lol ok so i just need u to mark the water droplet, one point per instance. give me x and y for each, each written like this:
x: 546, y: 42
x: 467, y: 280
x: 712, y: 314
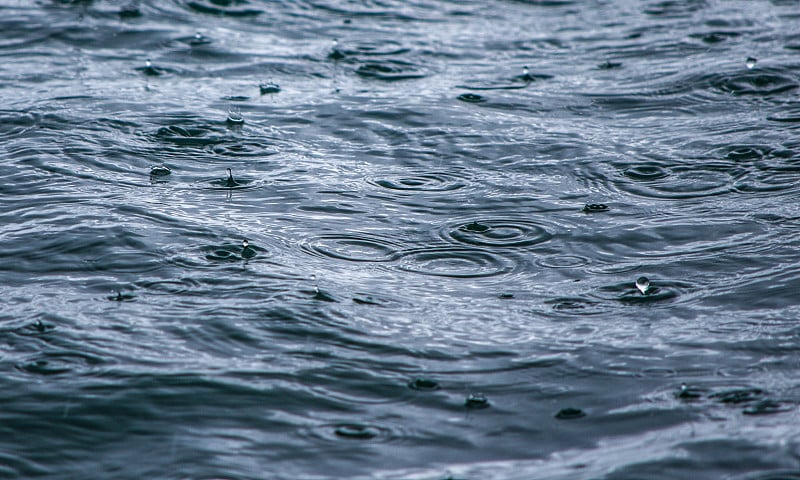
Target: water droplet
x: 148, y: 63
x: 750, y: 63
x: 245, y: 244
x: 476, y: 401
x: 643, y: 284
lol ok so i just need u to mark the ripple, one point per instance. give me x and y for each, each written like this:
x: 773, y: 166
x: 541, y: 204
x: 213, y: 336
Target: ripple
x: 390, y: 70
x: 500, y: 232
x: 660, y: 291
x: 646, y: 173
x: 562, y: 261
x: 471, y: 98
x: 761, y: 83
x: 354, y: 247
x: 192, y: 136
x: 455, y: 262
x: 222, y: 8
x: 421, y: 182
x: 352, y: 432
x: 231, y: 252
x: 576, y: 306
x: 59, y: 363
x: 680, y: 181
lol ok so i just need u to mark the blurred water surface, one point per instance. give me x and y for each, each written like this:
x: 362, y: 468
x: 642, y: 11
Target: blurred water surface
x: 446, y: 203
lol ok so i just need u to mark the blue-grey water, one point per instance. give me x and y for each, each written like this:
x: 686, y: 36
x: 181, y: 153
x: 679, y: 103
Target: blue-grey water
x: 447, y: 205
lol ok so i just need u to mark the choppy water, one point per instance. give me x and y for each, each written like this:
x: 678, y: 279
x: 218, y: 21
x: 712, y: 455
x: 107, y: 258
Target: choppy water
x: 429, y: 289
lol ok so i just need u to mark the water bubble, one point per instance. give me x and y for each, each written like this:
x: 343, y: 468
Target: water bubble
x: 269, y: 87
x: 476, y: 401
x: 750, y: 62
x: 643, y: 284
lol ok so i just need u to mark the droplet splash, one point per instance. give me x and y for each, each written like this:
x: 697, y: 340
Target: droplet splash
x: 269, y: 88
x: 230, y: 182
x: 476, y: 401
x: 336, y: 54
x: 643, y: 284
x: 235, y: 117
x: 750, y: 63
x: 199, y: 39
x: 247, y: 250
x: 570, y: 413
x: 526, y: 75
x: 160, y: 170
x: 595, y: 207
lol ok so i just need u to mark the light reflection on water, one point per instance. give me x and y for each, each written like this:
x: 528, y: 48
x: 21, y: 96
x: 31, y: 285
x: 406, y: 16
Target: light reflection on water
x: 430, y: 288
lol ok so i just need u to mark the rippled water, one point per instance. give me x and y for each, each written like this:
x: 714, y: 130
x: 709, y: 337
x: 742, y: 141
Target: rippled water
x: 447, y: 205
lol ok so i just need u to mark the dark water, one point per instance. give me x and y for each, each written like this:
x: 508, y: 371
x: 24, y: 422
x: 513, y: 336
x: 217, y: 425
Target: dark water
x: 425, y: 294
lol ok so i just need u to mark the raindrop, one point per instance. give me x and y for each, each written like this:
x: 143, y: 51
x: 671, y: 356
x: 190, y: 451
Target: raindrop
x: 476, y: 401
x: 750, y: 62
x: 643, y: 284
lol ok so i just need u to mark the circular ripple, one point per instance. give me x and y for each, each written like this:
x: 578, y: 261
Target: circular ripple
x: 645, y: 173
x: 455, y: 262
x: 659, y: 292
x: 422, y: 182
x: 356, y: 247
x: 575, y: 306
x: 681, y: 181
x: 562, y: 261
x: 390, y: 70
x: 763, y: 84
x: 497, y: 233
x: 342, y: 432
